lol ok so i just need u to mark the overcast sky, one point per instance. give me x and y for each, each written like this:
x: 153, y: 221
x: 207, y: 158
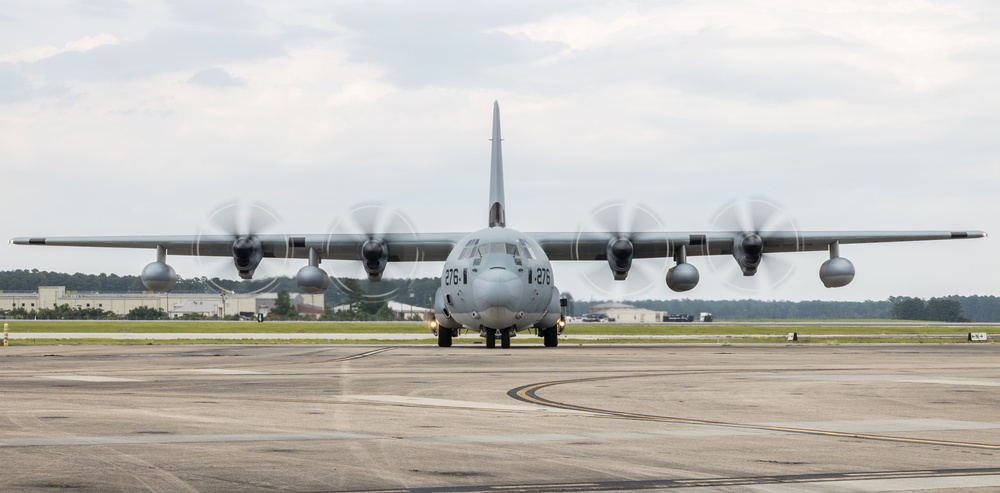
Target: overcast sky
x: 127, y: 118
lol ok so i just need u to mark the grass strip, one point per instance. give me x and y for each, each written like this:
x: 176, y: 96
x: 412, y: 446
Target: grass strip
x: 226, y: 327
x: 472, y: 342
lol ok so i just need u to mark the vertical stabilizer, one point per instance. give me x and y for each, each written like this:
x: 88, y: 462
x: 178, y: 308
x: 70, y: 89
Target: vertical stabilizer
x: 497, y: 214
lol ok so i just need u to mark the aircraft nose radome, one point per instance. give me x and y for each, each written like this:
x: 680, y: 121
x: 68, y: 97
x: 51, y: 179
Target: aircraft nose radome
x: 497, y: 294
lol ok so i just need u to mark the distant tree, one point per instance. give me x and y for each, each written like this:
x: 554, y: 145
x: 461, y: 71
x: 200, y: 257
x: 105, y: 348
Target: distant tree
x: 283, y: 307
x: 384, y: 313
x: 147, y: 313
x: 945, y: 310
x: 906, y: 308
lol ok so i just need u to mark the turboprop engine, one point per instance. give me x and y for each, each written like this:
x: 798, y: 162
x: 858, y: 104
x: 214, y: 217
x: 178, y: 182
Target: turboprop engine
x: 620, y: 251
x: 748, y: 252
x: 247, y: 254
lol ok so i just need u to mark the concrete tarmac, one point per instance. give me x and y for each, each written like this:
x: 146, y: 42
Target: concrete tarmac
x: 574, y: 418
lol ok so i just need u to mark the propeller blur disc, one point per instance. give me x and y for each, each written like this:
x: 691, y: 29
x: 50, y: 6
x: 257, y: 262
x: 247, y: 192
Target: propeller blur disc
x: 237, y: 219
x: 620, y: 219
x: 373, y: 220
x: 753, y: 215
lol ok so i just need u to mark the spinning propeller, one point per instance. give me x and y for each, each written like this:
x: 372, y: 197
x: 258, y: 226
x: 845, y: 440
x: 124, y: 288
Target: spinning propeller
x: 242, y: 221
x: 750, y: 217
x: 622, y: 220
x: 373, y: 222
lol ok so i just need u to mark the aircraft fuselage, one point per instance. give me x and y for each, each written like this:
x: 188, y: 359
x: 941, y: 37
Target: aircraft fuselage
x: 497, y: 279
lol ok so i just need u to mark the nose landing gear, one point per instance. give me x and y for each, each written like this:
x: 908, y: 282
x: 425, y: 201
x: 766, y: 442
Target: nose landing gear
x: 493, y: 334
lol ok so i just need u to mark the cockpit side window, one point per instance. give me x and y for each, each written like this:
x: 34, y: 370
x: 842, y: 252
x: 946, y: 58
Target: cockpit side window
x: 528, y: 252
x: 511, y: 249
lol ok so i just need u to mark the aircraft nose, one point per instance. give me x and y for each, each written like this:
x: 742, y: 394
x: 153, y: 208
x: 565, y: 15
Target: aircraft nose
x: 497, y: 295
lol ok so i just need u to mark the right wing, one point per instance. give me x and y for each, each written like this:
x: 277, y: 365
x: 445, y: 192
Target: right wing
x: 747, y: 249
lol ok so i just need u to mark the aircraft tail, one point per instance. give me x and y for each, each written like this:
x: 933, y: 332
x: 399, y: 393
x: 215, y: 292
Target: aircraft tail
x: 497, y: 215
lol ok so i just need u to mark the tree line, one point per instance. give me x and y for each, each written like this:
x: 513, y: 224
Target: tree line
x: 982, y: 309
x: 358, y: 296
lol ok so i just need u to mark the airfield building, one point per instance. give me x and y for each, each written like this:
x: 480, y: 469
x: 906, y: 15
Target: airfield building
x: 210, y: 305
x: 620, y: 312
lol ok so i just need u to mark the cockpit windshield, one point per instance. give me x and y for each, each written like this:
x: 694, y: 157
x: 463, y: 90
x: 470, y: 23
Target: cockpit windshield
x: 475, y: 250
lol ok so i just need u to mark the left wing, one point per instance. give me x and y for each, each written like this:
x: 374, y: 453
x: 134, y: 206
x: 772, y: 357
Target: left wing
x: 248, y: 250
x: 404, y: 247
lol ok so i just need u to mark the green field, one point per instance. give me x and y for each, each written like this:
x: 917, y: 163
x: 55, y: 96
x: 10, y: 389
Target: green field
x: 615, y: 334
x: 222, y: 327
x: 421, y: 328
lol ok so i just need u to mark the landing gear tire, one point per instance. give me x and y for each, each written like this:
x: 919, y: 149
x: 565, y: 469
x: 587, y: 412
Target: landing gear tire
x: 505, y: 338
x: 491, y: 339
x: 444, y: 337
x: 551, y: 337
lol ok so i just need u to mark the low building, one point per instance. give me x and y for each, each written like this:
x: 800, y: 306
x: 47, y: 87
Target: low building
x: 208, y: 304
x: 620, y: 312
x: 402, y: 311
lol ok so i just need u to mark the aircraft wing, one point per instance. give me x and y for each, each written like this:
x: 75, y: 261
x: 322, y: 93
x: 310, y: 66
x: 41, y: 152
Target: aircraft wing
x: 400, y: 247
x: 435, y: 247
x: 595, y: 246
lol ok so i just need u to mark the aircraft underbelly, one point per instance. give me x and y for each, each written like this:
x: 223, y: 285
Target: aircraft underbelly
x: 499, y: 305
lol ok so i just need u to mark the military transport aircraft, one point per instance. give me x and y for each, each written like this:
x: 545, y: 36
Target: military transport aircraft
x: 498, y: 281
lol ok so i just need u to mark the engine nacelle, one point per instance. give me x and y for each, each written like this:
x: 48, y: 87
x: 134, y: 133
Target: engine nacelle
x: 748, y: 250
x: 682, y: 277
x: 836, y: 272
x: 158, y: 276
x: 247, y: 254
x: 312, y: 279
x: 375, y: 254
x: 620, y: 251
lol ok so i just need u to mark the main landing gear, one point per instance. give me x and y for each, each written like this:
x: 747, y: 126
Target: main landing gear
x: 551, y: 336
x: 444, y: 337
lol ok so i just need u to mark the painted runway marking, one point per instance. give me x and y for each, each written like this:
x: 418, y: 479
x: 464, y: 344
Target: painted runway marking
x: 597, y: 437
x: 852, y: 482
x: 149, y: 439
x: 429, y: 402
x: 889, y: 425
x: 89, y: 378
x: 978, y: 382
x: 225, y: 371
x: 528, y: 393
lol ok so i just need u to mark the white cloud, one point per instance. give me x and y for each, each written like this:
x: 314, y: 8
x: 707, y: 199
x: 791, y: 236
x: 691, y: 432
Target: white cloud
x: 217, y: 77
x: 37, y: 53
x: 854, y: 115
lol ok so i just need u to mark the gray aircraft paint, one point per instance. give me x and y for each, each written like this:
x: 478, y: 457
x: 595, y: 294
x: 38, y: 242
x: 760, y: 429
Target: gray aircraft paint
x: 510, y: 291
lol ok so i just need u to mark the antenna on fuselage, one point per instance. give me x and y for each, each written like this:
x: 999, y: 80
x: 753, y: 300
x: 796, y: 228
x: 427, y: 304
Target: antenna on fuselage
x: 497, y: 215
